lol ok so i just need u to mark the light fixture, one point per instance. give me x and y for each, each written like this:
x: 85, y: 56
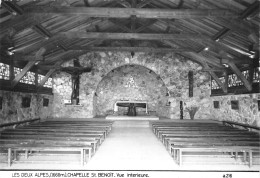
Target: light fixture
x: 252, y: 56
x: 10, y: 53
x: 225, y: 65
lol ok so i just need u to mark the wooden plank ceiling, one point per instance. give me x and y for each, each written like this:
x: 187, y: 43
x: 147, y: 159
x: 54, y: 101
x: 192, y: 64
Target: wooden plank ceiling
x: 210, y: 32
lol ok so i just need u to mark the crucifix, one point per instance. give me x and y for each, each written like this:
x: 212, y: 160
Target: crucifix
x: 75, y: 73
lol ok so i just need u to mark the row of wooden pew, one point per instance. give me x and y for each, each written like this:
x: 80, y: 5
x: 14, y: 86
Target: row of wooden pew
x: 82, y: 137
x: 206, y: 138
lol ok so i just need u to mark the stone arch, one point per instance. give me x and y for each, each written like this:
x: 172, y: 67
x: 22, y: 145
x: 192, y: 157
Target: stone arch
x: 147, y: 85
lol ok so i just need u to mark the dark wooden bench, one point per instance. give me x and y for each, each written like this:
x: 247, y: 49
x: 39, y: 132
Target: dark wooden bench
x: 212, y: 140
x: 74, y: 124
x: 177, y: 151
x: 246, y: 126
x: 161, y: 131
x: 206, y: 137
x: 92, y: 142
x: 57, y: 148
x: 55, y: 137
x: 15, y: 124
x: 54, y: 132
x: 165, y: 136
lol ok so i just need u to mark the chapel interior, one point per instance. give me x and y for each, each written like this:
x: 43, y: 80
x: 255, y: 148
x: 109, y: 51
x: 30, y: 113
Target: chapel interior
x: 130, y: 85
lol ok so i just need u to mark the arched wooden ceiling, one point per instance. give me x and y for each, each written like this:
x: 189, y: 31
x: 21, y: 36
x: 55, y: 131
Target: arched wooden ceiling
x: 210, y: 32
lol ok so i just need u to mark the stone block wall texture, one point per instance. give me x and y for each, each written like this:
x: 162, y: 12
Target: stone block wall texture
x: 104, y: 85
x: 171, y: 68
x: 130, y: 82
x: 247, y: 113
x: 12, y: 110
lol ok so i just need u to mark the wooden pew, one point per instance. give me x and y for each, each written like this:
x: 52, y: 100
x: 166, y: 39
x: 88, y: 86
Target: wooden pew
x: 15, y: 124
x: 56, y: 136
x: 177, y: 151
x: 205, y: 137
x: 162, y: 131
x: 164, y: 136
x: 246, y: 126
x: 54, y: 141
x: 211, y: 140
x: 34, y: 147
x: 74, y: 124
x: 103, y: 133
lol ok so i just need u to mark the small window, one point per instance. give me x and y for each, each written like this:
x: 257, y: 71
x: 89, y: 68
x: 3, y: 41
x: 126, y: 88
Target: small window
x: 45, y: 102
x: 258, y: 105
x: 216, y: 104
x: 1, y: 103
x: 26, y: 101
x: 235, y: 104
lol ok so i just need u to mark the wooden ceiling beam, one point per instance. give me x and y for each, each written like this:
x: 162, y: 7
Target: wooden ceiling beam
x: 204, y: 63
x: 120, y: 25
x: 236, y: 70
x: 128, y: 12
x: 48, y: 41
x: 124, y: 3
x: 133, y: 17
x: 240, y: 27
x: 68, y: 54
x: 49, y: 73
x: 252, y: 8
x: 214, y: 43
x: 204, y: 59
x: 136, y: 49
x: 128, y: 36
x: 28, y: 66
x: 38, y: 27
x: 223, y: 86
x: 22, y: 22
x: 143, y: 3
x: 20, y: 57
x: 13, y: 8
x: 27, y: 20
x: 145, y: 26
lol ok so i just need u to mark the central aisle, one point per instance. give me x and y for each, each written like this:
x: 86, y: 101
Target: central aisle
x: 131, y: 148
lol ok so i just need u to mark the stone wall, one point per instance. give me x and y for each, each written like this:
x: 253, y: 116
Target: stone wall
x: 247, y: 113
x: 171, y: 68
x: 13, y: 111
x: 173, y: 71
x: 130, y: 82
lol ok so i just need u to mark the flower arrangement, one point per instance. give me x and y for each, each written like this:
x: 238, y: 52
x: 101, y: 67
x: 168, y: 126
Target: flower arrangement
x: 192, y: 107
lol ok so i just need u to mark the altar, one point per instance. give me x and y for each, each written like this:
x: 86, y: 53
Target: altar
x: 131, y: 105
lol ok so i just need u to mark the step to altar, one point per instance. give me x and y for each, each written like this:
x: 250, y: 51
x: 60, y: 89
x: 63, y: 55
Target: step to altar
x: 130, y: 124
x: 132, y: 118
x: 131, y: 121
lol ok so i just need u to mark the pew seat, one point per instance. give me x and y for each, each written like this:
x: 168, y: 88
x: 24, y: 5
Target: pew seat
x: 14, y: 148
x: 177, y: 151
